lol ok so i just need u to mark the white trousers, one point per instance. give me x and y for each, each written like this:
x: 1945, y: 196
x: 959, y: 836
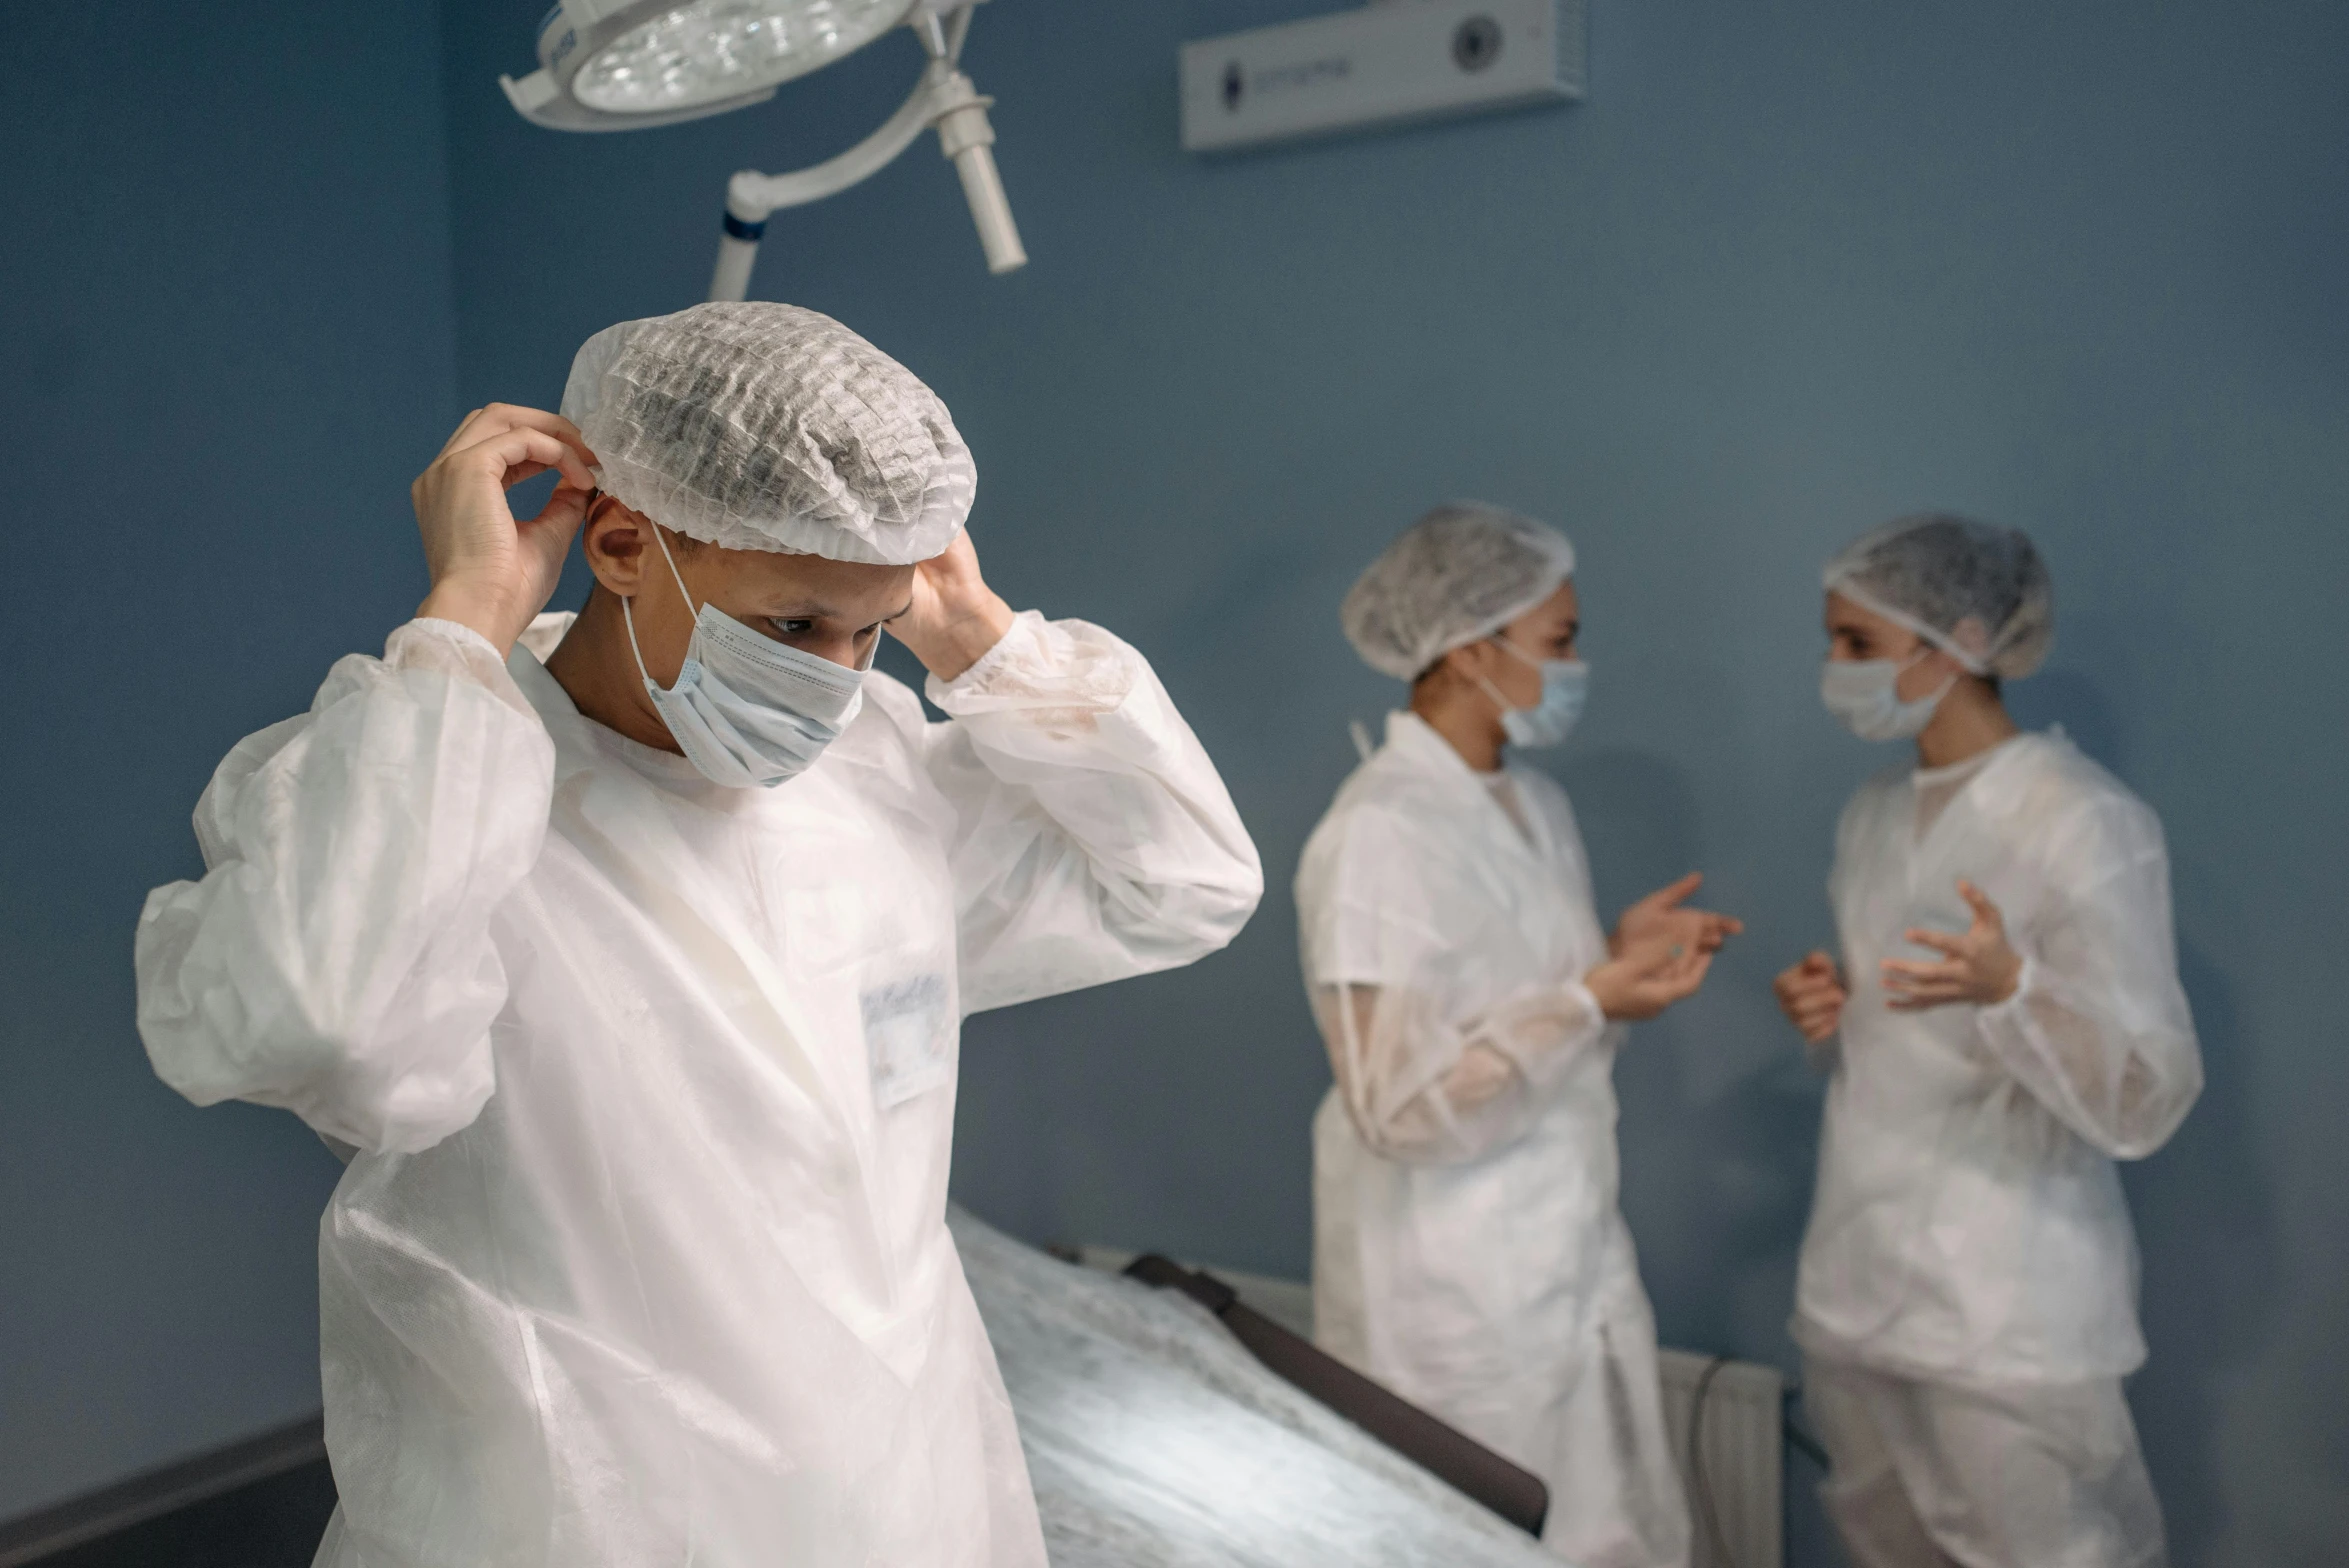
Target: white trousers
x: 1932, y: 1475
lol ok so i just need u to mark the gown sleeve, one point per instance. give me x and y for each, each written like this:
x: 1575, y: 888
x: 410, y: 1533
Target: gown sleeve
x: 2098, y: 1029
x: 1432, y: 1067
x: 335, y: 959
x: 1093, y: 838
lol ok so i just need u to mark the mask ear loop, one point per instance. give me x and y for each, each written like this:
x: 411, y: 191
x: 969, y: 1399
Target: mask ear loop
x: 1925, y: 648
x: 1494, y: 692
x: 628, y: 615
x: 1490, y: 690
x: 662, y: 540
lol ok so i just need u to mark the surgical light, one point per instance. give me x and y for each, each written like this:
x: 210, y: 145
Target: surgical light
x: 622, y: 65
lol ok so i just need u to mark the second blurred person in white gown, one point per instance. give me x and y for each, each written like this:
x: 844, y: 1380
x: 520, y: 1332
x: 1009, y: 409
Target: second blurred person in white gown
x: 1468, y: 1251
x: 2005, y: 1023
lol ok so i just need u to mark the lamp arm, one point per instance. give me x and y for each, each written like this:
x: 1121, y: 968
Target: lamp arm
x: 944, y: 98
x: 750, y: 195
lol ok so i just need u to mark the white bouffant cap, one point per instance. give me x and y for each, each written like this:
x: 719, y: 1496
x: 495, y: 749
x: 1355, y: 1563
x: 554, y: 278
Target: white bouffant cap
x: 1977, y: 592
x: 1458, y: 575
x: 761, y: 426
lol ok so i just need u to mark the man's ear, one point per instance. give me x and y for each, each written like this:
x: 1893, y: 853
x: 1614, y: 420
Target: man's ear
x: 617, y: 543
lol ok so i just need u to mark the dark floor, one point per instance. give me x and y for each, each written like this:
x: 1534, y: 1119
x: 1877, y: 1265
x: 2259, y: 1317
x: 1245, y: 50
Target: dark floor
x: 270, y: 1524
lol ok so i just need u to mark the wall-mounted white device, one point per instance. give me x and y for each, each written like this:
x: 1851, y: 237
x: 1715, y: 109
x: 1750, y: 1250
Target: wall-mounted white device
x: 1386, y: 63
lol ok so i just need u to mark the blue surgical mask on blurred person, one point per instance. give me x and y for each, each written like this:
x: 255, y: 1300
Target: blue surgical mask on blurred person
x: 1565, y: 689
x: 748, y: 710
x: 1865, y: 695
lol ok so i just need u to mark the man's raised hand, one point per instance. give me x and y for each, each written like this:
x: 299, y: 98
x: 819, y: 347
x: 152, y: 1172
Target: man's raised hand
x: 492, y: 571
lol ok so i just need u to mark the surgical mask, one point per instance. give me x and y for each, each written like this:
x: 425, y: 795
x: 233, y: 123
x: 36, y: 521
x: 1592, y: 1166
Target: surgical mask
x: 1565, y: 688
x: 746, y: 709
x: 1865, y: 695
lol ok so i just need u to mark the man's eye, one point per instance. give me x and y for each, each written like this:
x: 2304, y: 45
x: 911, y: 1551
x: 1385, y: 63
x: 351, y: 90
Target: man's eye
x: 791, y: 628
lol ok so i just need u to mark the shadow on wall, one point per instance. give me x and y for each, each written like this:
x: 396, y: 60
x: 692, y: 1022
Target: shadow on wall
x: 2204, y: 1217
x: 2068, y: 698
x: 1720, y: 1111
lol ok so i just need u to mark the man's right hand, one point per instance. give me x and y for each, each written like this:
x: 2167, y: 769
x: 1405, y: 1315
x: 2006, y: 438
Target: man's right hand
x: 1811, y: 994
x: 490, y: 571
x: 1649, y: 975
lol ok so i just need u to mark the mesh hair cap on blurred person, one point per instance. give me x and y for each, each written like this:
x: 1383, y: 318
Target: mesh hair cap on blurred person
x: 761, y: 426
x: 1458, y: 575
x: 1979, y: 593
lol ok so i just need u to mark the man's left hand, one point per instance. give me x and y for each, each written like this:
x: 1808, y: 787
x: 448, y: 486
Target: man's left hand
x: 955, y: 617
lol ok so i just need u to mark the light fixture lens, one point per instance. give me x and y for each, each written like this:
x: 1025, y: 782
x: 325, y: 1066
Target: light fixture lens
x: 706, y: 50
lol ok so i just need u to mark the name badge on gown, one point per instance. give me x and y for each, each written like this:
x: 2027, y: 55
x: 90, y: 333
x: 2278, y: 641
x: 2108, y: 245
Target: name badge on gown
x: 909, y: 1039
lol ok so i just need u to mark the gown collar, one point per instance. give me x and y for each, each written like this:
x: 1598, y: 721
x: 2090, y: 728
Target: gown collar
x: 1415, y: 744
x: 573, y: 730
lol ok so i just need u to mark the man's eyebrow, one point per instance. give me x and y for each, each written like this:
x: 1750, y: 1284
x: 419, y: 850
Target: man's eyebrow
x: 817, y: 610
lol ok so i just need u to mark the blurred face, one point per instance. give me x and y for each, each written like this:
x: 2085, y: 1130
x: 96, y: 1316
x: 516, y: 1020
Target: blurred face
x: 832, y: 609
x: 1856, y: 635
x: 1547, y: 631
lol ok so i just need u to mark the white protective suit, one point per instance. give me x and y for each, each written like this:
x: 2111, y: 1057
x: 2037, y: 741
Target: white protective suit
x: 643, y: 1261
x: 1967, y: 1294
x: 1468, y: 1252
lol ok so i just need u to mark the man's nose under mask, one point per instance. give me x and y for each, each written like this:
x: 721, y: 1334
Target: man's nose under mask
x: 748, y: 710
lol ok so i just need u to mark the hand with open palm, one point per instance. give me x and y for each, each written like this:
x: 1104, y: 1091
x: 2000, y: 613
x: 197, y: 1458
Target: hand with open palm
x: 1979, y: 967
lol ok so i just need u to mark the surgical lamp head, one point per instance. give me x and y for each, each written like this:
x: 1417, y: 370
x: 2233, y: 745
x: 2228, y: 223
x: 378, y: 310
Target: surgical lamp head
x: 619, y: 65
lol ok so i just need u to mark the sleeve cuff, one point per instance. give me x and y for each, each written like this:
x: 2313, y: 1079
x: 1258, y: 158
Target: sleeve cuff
x: 1572, y: 1011
x: 988, y: 667
x: 2026, y: 981
x: 1068, y: 666
x: 458, y: 651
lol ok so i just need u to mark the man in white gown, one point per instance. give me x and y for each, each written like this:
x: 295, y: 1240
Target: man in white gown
x: 628, y: 956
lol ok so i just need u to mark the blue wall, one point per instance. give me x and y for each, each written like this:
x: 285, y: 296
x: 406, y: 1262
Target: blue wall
x: 226, y: 343
x: 1794, y: 267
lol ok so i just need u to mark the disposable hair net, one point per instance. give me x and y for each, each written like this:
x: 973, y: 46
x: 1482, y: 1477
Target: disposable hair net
x: 1459, y: 574
x: 1979, y: 593
x: 761, y: 426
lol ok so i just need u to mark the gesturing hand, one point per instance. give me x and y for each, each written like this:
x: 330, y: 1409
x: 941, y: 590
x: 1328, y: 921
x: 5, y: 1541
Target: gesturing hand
x: 1660, y: 915
x: 1648, y: 975
x: 955, y: 617
x: 1811, y: 994
x: 1980, y: 968
x: 490, y: 571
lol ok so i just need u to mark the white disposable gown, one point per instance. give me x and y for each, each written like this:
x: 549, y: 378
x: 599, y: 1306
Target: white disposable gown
x: 1969, y: 1230
x: 1468, y: 1251
x: 643, y: 1258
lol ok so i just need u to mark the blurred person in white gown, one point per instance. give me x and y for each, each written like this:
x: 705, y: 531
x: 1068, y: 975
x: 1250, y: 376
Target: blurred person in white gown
x: 2003, y: 1023
x: 1468, y: 1247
